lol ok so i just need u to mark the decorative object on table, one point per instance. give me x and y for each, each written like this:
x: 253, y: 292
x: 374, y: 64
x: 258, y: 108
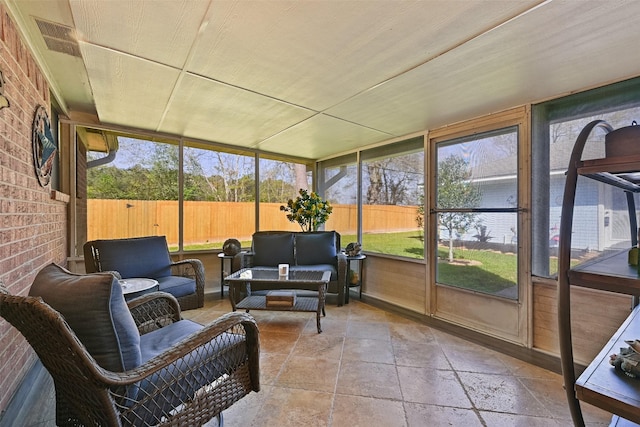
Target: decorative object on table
x: 308, y: 210
x: 353, y: 249
x: 231, y: 247
x: 281, y: 299
x: 623, y: 141
x: 628, y: 360
x: 354, y: 277
x: 283, y: 270
x: 4, y: 102
x: 44, y: 146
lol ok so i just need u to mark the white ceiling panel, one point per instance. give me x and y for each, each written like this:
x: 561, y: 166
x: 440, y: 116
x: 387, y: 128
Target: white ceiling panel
x: 321, y: 136
x: 162, y: 31
x: 226, y: 114
x: 317, y: 78
x: 128, y: 90
x: 318, y: 53
x: 511, y: 65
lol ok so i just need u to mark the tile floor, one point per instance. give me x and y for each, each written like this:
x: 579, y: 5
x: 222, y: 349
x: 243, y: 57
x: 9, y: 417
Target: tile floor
x: 372, y: 368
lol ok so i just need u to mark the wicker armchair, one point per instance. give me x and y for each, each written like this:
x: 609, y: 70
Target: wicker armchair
x: 148, y: 257
x: 190, y: 382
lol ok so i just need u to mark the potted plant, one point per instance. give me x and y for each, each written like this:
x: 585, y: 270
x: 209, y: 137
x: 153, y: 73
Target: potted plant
x: 308, y: 210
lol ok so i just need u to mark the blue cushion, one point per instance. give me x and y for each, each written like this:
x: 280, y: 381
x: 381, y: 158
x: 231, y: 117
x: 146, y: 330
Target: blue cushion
x: 157, y: 342
x: 272, y: 248
x: 229, y: 350
x: 135, y: 257
x: 177, y: 286
x: 94, y: 307
x: 316, y: 248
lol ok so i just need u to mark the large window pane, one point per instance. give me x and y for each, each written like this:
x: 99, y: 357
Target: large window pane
x: 279, y: 182
x: 219, y: 197
x: 476, y: 204
x: 392, y: 190
x: 601, y: 221
x: 338, y: 184
x: 136, y: 193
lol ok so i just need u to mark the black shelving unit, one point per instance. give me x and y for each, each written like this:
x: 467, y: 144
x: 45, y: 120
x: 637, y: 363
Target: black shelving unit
x: 599, y: 385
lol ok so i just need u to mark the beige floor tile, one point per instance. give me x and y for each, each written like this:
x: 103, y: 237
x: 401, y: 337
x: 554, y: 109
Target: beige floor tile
x: 271, y: 365
x: 368, y: 379
x: 277, y: 342
x: 373, y: 330
x: 418, y: 354
x: 309, y: 373
x: 432, y: 386
x: 420, y: 415
x: 501, y: 393
x: 357, y: 411
x: 469, y: 357
x: 285, y: 407
x: 368, y: 350
x: 411, y: 332
x: 511, y: 420
x: 319, y: 345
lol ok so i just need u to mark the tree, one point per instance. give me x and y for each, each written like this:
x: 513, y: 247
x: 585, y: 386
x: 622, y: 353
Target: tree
x: 455, y: 191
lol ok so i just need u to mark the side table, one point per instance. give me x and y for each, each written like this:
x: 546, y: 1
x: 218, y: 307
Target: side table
x: 360, y: 259
x: 223, y: 258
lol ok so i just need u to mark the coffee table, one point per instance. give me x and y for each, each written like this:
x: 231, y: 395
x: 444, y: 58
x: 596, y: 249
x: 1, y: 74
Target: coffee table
x: 297, y: 279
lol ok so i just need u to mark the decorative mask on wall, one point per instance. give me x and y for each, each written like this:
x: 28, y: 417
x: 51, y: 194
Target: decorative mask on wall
x: 4, y: 102
x: 44, y: 146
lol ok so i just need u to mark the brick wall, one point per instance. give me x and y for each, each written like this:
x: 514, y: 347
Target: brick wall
x: 32, y: 226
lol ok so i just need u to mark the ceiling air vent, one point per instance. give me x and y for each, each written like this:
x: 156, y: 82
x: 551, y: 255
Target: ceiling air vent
x: 59, y: 38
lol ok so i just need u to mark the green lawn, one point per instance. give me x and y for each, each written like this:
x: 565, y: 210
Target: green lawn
x: 486, y: 271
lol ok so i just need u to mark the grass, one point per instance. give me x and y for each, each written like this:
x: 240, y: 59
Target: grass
x: 484, y: 271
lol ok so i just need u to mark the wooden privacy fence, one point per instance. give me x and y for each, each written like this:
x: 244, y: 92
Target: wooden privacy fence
x: 208, y: 222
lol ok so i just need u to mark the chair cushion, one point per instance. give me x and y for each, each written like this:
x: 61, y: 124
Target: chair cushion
x: 94, y: 307
x: 157, y: 342
x: 179, y: 381
x: 316, y: 248
x: 135, y: 257
x: 177, y: 286
x: 272, y: 248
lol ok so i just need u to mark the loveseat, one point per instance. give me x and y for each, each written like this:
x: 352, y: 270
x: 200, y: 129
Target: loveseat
x: 148, y: 257
x: 319, y: 251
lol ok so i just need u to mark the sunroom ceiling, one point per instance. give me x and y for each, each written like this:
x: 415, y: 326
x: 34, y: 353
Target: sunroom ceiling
x: 313, y: 79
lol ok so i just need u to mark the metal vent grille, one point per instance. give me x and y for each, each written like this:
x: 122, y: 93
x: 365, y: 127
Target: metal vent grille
x: 58, y: 38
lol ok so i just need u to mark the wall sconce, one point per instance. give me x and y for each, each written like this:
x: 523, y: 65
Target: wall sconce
x: 4, y: 102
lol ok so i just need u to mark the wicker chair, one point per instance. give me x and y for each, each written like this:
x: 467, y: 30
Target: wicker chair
x: 148, y: 257
x: 188, y: 383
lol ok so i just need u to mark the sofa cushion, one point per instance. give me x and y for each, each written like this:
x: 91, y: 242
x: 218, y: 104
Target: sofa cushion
x: 94, y: 307
x: 177, y: 286
x: 272, y: 248
x: 316, y: 248
x: 135, y: 257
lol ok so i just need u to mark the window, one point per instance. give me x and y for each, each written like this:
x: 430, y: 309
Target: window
x: 392, y: 194
x: 219, y: 197
x: 135, y: 192
x: 476, y: 208
x: 600, y: 208
x: 279, y: 182
x: 338, y: 184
